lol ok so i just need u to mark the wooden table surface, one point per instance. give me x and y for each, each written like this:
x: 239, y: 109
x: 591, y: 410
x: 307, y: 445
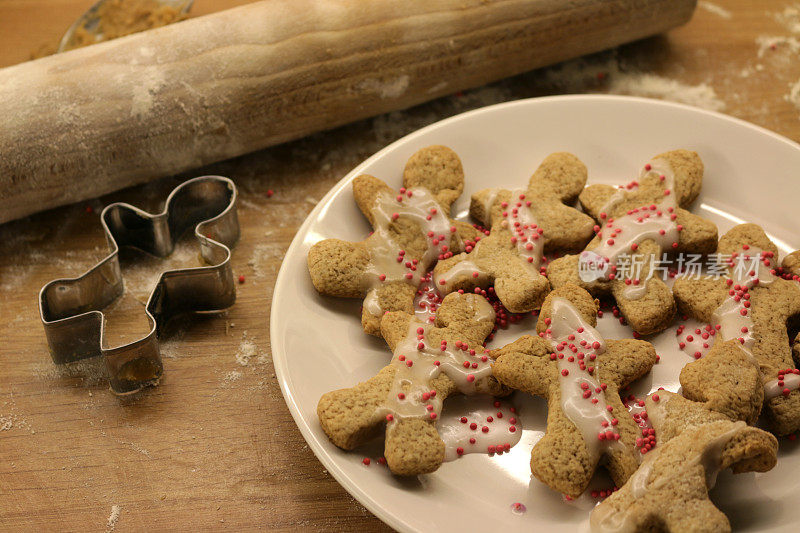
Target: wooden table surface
x: 214, y: 446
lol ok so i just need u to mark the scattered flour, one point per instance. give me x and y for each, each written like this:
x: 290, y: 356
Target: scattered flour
x: 12, y: 278
x: 148, y: 85
x: 385, y: 88
x: 790, y: 18
x: 233, y: 375
x: 171, y: 348
x: 142, y: 271
x: 265, y: 358
x: 125, y: 320
x: 391, y: 126
x: 252, y: 205
x: 247, y: 350
x: 135, y: 447
x: 111, y: 523
x: 614, y: 77
x: 91, y: 372
x: 794, y: 94
x: 11, y: 421
x: 714, y: 8
x: 266, y: 259
x: 654, y: 86
x: 785, y: 50
x: 772, y: 42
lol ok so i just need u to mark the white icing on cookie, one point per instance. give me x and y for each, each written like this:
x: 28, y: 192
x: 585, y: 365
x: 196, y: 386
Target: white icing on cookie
x: 463, y: 269
x: 784, y: 382
x: 709, y: 458
x: 605, y: 519
x: 656, y: 222
x: 427, y: 300
x: 478, y: 424
x: 614, y: 199
x: 488, y: 202
x: 387, y: 259
x: 576, y: 345
x: 733, y: 315
x: 372, y: 303
x: 526, y: 236
x: 733, y: 318
x: 525, y: 231
x: 417, y: 364
x: 695, y: 338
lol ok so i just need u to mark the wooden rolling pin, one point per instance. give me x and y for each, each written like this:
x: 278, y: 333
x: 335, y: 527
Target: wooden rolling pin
x: 87, y: 122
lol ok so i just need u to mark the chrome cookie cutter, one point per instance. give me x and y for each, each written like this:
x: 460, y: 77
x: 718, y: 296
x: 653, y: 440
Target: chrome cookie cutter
x: 71, y: 309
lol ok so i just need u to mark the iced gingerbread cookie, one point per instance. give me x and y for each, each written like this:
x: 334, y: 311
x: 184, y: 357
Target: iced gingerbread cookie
x: 412, y: 230
x: 669, y: 491
x: 431, y: 362
x: 640, y: 222
x: 749, y: 308
x: 580, y: 373
x: 523, y: 224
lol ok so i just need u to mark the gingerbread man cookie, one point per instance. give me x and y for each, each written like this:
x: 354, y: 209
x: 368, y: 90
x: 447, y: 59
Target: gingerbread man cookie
x: 727, y: 380
x: 431, y: 362
x: 412, y: 230
x: 669, y: 491
x: 523, y: 224
x: 641, y: 222
x: 791, y: 270
x: 580, y: 374
x: 751, y: 306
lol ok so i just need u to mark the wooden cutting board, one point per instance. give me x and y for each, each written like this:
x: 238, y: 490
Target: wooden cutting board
x: 214, y: 446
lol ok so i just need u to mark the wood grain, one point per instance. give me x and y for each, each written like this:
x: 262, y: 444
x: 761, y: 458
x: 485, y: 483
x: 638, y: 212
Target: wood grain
x: 207, y: 449
x: 97, y: 119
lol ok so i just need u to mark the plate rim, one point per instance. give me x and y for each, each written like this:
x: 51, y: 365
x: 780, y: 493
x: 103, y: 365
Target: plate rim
x: 276, y: 341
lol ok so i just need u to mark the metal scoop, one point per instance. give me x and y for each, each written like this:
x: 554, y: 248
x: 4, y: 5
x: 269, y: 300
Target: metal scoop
x: 90, y: 21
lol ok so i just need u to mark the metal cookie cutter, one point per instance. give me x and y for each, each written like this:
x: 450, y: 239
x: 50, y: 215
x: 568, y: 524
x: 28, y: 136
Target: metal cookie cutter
x: 71, y: 309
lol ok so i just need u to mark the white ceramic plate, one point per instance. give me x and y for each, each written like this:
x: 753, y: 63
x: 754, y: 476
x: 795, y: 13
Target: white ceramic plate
x: 318, y: 345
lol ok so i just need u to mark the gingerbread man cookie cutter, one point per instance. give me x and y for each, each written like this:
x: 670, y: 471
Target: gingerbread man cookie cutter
x: 71, y: 308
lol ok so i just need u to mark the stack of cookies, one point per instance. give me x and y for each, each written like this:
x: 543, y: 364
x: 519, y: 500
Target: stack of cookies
x: 435, y: 289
